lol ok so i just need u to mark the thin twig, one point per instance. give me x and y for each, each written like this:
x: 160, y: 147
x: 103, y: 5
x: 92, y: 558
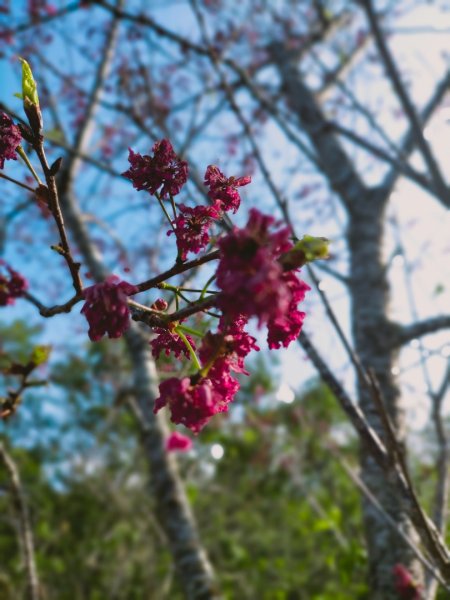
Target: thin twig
x: 22, y: 185
x: 394, y: 77
x: 386, y: 516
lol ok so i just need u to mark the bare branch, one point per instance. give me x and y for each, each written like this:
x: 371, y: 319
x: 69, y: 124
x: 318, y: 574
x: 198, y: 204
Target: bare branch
x: 405, y: 101
x: 44, y: 19
x: 367, y: 435
x: 331, y: 157
x: 50, y: 311
x: 410, y: 332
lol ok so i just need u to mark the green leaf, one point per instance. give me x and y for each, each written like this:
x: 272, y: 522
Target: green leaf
x: 306, y: 250
x: 29, y: 87
x: 40, y: 355
x: 314, y: 248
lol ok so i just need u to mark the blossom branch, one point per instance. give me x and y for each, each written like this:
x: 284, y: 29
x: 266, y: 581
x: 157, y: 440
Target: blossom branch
x: 51, y: 311
x: 55, y: 208
x: 22, y: 185
x: 157, y: 319
x: 43, y: 19
x: 176, y: 270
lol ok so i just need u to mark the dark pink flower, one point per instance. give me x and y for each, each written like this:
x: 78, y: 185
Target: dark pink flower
x: 10, y: 138
x: 177, y: 442
x: 163, y: 170
x: 191, y: 228
x: 249, y: 273
x: 254, y: 282
x: 169, y: 342
x: 192, y: 400
x: 223, y: 190
x: 226, y: 350
x: 282, y: 329
x: 405, y: 586
x: 106, y: 308
x: 12, y: 286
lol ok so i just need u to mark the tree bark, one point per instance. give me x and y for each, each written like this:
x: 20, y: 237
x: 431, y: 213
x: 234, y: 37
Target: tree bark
x: 369, y: 291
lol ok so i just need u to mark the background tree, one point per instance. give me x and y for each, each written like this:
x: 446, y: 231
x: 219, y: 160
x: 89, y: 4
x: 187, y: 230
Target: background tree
x: 311, y: 98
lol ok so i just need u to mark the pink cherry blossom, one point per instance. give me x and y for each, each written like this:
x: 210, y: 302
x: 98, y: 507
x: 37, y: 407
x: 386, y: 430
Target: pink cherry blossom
x: 170, y: 343
x: 163, y: 170
x: 282, y: 329
x: 106, y: 308
x: 249, y: 274
x: 223, y: 190
x: 405, y: 586
x: 192, y: 400
x: 191, y: 228
x: 177, y: 442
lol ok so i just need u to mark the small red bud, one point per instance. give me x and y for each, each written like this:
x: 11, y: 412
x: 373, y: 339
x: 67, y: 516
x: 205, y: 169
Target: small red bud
x: 160, y: 304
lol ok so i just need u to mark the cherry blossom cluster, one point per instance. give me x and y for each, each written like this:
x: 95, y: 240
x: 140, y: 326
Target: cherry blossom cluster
x: 256, y: 277
x: 164, y: 174
x: 163, y: 171
x: 106, y: 308
x: 251, y: 280
x: 194, y: 400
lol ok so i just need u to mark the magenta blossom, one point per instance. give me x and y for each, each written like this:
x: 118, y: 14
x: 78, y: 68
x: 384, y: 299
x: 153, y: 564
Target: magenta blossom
x: 254, y: 282
x: 192, y: 400
x: 169, y: 342
x: 249, y: 274
x: 106, y: 308
x: 12, y: 286
x: 223, y: 190
x: 225, y: 350
x: 405, y: 586
x: 191, y: 228
x: 177, y: 442
x: 10, y: 138
x: 163, y: 170
x: 282, y: 329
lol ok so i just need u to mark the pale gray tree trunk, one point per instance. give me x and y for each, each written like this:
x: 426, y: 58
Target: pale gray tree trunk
x: 369, y: 291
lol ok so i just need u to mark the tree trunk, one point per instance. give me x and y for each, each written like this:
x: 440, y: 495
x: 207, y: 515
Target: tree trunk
x: 369, y: 290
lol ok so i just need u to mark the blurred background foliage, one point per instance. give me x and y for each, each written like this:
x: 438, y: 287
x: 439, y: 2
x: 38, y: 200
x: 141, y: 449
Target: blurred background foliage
x: 277, y: 513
